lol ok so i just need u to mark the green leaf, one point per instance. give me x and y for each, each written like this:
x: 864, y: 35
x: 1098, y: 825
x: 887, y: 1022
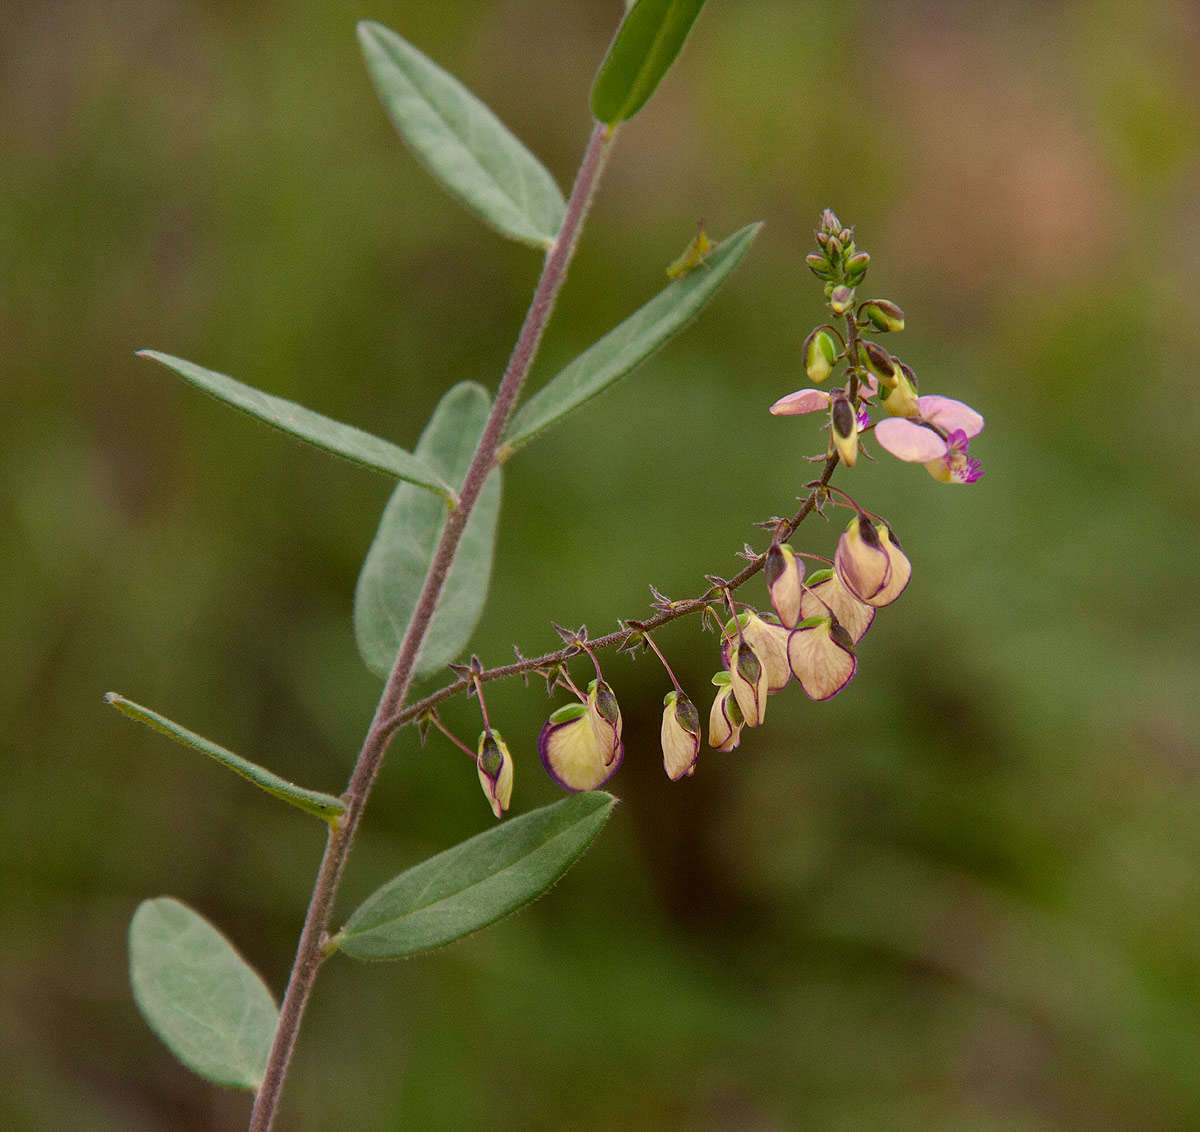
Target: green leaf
x: 475, y: 883
x: 296, y: 420
x: 645, y: 46
x: 395, y: 567
x: 324, y: 806
x: 207, y: 1004
x: 461, y: 142
x: 626, y: 346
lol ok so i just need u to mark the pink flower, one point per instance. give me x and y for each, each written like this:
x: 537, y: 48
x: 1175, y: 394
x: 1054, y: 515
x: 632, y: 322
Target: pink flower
x: 938, y: 438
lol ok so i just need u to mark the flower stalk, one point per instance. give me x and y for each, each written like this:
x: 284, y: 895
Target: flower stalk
x: 309, y: 951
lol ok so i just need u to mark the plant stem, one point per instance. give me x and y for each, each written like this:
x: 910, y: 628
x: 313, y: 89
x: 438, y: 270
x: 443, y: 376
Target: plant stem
x: 309, y: 954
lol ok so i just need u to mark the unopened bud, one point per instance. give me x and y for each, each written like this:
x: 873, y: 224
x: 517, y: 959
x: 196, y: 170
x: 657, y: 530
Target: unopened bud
x: 818, y: 265
x: 856, y: 266
x: 820, y: 353
x: 830, y: 223
x: 834, y: 249
x: 878, y: 361
x: 883, y: 315
x: 841, y: 299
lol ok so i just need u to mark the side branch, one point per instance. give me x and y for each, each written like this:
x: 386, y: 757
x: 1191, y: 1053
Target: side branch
x: 621, y: 636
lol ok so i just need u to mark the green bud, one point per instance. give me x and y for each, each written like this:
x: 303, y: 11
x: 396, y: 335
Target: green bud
x: 841, y: 299
x: 819, y: 353
x: 883, y: 315
x: 834, y: 249
x: 818, y: 265
x: 856, y: 266
x: 830, y: 224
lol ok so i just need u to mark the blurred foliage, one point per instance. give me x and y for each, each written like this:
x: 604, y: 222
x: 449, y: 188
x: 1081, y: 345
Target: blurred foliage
x: 960, y: 896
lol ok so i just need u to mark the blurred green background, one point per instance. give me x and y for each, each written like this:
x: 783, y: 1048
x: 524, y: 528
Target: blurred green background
x: 962, y: 895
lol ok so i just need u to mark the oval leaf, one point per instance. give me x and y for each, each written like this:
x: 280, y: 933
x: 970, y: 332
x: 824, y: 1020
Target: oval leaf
x: 645, y: 46
x: 204, y: 1001
x: 626, y: 346
x: 315, y: 802
x: 475, y: 883
x: 296, y: 420
x: 395, y: 567
x: 461, y: 142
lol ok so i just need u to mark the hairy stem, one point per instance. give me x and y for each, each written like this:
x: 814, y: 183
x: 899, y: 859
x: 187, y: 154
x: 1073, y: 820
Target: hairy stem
x: 309, y: 951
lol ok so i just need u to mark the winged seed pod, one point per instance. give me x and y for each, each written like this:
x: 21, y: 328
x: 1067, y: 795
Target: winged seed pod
x: 824, y: 595
x: 769, y: 643
x: 821, y: 656
x: 784, y: 573
x: 870, y: 562
x: 495, y: 771
x: 725, y: 720
x: 680, y: 735
x: 574, y: 755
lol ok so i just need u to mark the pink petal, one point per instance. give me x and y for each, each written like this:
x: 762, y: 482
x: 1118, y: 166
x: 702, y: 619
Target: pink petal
x: 907, y: 440
x: 952, y: 415
x: 802, y: 401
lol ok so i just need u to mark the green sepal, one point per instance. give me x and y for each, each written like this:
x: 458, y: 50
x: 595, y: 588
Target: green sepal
x: 568, y: 712
x: 813, y: 622
x: 817, y: 577
x: 324, y: 806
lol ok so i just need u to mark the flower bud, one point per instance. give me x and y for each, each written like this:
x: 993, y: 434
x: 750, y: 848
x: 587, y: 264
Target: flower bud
x: 680, y: 736
x: 883, y: 315
x: 821, y: 656
x: 878, y: 361
x: 818, y: 265
x: 819, y: 354
x: 841, y: 298
x: 725, y: 721
x: 830, y: 224
x: 856, y: 267
x: 843, y: 428
x: 824, y: 595
x: 495, y: 771
x: 834, y: 249
x: 784, y: 573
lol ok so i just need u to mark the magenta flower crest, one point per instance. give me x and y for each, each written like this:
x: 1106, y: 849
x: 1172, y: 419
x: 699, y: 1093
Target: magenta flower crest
x: 938, y: 438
